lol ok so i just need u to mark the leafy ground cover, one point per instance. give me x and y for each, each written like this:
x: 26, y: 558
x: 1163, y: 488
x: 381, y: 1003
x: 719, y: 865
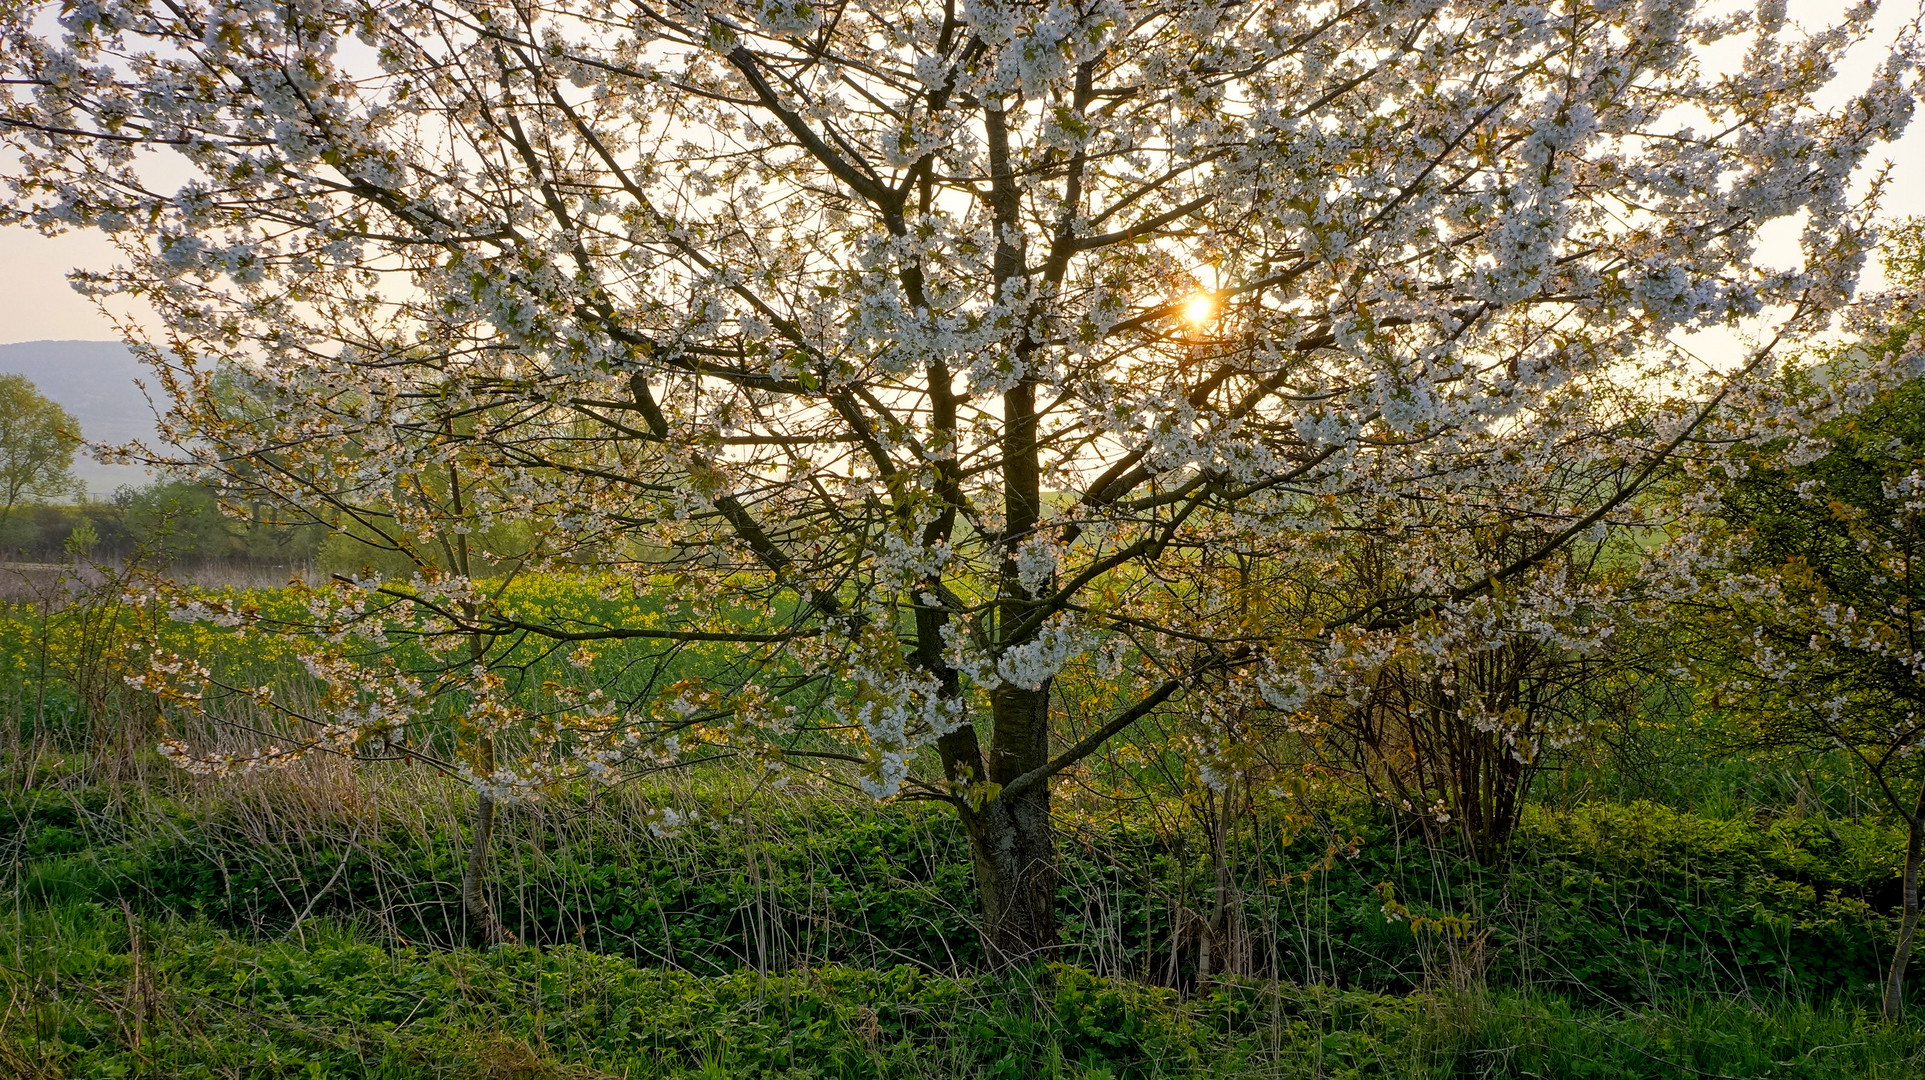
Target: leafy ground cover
x: 1611, y: 905
x: 307, y: 923
x: 98, y: 993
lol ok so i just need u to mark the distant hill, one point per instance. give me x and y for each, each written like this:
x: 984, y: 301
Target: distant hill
x: 94, y: 380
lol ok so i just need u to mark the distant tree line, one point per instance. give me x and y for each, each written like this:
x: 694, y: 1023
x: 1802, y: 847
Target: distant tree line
x: 166, y: 523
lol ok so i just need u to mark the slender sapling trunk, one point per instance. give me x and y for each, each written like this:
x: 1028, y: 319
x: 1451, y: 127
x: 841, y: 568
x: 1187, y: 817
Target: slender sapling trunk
x: 1894, y: 1004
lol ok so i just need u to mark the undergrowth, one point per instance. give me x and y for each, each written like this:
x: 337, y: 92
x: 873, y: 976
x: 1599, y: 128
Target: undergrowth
x: 96, y: 992
x: 1609, y: 905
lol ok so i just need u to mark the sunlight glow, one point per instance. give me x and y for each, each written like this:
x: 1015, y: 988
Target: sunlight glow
x: 1199, y: 309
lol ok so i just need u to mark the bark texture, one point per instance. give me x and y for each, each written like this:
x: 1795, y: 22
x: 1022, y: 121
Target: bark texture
x: 1012, y: 838
x: 1894, y: 1004
x: 484, y: 927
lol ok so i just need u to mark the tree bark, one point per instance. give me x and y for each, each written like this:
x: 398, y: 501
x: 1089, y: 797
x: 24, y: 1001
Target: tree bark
x: 1894, y: 1004
x: 1011, y: 835
x: 484, y: 927
x: 1012, y: 838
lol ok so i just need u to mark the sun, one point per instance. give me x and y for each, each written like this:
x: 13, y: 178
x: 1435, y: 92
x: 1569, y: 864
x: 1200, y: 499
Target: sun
x: 1199, y: 309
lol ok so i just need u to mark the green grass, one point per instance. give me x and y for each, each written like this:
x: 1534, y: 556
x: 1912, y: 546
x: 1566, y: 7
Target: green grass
x: 199, y: 1002
x: 305, y: 923
x: 1608, y: 905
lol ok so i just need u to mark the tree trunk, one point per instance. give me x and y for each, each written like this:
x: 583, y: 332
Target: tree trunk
x: 1219, y: 952
x: 1016, y: 878
x: 1012, y: 838
x: 483, y: 927
x: 1894, y: 1005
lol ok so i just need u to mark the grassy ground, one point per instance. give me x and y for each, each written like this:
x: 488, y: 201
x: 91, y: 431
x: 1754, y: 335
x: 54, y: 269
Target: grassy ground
x: 95, y: 992
x: 1697, y: 916
x: 1606, y: 904
x: 305, y: 926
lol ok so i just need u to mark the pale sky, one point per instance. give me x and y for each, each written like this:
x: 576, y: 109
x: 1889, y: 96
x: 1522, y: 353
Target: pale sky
x: 37, y: 304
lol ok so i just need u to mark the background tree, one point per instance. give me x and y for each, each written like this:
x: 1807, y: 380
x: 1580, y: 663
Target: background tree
x: 1814, y: 637
x: 37, y: 443
x: 1452, y: 731
x: 901, y: 358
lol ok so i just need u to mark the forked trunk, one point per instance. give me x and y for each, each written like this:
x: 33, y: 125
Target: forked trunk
x: 1894, y: 1005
